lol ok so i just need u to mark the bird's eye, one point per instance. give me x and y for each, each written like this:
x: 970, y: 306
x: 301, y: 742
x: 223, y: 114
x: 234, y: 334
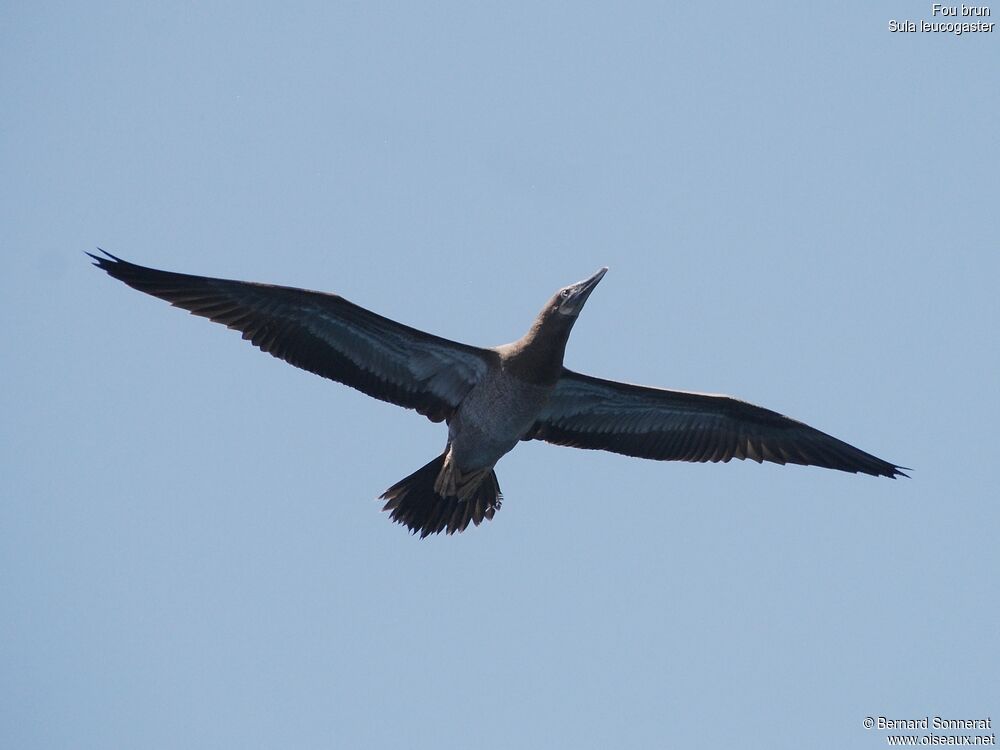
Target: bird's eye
x: 564, y: 293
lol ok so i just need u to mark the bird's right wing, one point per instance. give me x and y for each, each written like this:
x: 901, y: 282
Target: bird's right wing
x: 588, y: 412
x: 325, y: 334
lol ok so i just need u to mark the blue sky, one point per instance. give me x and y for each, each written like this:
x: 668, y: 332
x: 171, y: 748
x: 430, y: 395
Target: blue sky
x: 797, y: 206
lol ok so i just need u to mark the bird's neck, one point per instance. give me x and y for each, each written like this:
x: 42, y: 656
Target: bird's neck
x: 538, y: 356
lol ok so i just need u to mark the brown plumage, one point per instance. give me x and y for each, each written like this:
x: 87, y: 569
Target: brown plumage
x: 494, y: 397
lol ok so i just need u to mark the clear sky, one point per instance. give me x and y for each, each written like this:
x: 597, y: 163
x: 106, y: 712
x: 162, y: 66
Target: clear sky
x: 798, y: 207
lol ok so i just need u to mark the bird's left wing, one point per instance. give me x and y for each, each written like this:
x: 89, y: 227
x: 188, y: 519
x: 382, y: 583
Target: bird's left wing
x: 325, y: 334
x: 588, y: 412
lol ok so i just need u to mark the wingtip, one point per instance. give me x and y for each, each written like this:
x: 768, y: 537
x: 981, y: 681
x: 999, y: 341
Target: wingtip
x: 103, y: 262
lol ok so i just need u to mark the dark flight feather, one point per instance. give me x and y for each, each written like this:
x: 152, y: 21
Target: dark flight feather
x: 635, y: 420
x: 325, y: 334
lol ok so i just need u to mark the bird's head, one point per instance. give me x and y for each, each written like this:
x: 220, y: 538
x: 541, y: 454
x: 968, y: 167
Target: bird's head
x: 552, y: 327
x: 569, y: 300
x: 539, y: 353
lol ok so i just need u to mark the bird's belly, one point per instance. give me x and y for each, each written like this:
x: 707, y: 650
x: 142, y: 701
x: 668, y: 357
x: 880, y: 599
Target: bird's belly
x: 492, y: 419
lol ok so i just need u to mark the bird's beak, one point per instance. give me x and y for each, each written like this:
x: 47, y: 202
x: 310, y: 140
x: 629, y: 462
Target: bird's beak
x: 579, y: 292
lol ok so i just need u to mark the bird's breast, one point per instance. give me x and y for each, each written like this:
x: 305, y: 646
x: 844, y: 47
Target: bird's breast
x: 492, y: 419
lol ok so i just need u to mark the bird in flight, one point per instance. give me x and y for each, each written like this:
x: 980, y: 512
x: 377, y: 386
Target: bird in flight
x: 491, y: 398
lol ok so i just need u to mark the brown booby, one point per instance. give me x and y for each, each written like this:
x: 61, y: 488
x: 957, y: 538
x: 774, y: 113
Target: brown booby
x: 491, y: 398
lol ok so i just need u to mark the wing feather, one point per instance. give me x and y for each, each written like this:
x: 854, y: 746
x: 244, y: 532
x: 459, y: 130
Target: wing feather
x: 325, y: 334
x: 588, y: 412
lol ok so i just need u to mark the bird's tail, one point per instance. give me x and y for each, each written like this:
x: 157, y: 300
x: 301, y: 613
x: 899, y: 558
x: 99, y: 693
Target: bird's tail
x: 414, y: 502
